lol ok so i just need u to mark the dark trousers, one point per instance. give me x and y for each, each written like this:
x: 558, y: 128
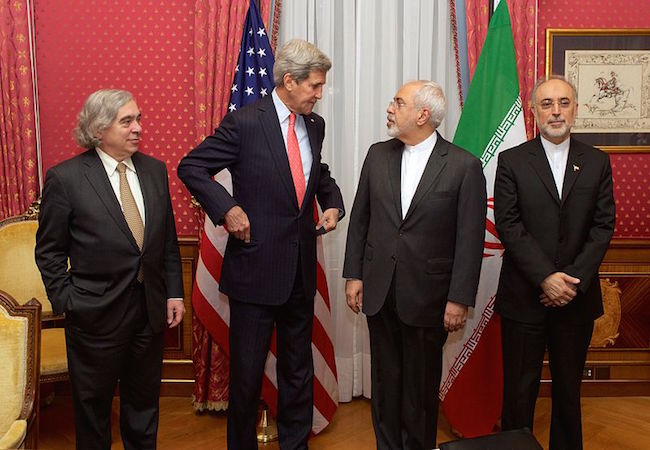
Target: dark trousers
x: 523, y: 353
x: 132, y: 354
x: 406, y: 369
x: 251, y: 327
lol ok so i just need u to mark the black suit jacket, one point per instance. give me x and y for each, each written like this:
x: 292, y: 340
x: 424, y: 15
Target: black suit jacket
x: 435, y: 252
x: 81, y: 222
x: 250, y: 145
x: 543, y: 234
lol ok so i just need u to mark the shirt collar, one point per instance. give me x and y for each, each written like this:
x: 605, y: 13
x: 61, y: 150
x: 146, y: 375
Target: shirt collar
x: 425, y: 145
x: 280, y: 107
x: 110, y: 163
x: 550, y: 147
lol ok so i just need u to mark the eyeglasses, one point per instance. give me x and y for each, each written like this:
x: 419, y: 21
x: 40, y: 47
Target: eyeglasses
x: 563, y: 103
x: 399, y: 103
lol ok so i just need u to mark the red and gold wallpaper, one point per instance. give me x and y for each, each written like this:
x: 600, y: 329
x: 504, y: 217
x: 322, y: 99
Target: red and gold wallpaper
x: 143, y: 46
x: 631, y: 172
x: 146, y: 47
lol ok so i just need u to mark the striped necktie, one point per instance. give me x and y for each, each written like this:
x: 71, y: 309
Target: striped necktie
x: 131, y: 213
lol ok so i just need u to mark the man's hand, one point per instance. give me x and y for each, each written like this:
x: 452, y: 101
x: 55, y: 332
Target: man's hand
x: 329, y: 219
x: 455, y: 316
x: 354, y: 294
x: 558, y: 289
x: 175, y: 312
x: 237, y: 224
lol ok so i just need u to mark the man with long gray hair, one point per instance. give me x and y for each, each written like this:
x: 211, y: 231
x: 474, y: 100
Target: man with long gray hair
x: 107, y: 251
x: 412, y: 260
x: 272, y: 148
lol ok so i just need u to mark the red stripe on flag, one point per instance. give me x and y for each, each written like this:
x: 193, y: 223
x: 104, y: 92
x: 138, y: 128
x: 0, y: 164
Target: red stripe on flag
x: 210, y: 319
x: 212, y: 259
x: 323, y: 344
x: 483, y: 399
x: 323, y: 401
x: 321, y: 284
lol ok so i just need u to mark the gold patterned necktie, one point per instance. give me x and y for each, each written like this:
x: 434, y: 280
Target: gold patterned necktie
x: 131, y: 213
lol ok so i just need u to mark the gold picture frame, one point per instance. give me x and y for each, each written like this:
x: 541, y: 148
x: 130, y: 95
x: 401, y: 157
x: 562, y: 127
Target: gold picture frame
x: 611, y: 70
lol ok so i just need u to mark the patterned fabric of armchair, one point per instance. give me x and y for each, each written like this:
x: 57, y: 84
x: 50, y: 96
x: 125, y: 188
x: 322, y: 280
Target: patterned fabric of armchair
x: 20, y: 327
x: 20, y: 278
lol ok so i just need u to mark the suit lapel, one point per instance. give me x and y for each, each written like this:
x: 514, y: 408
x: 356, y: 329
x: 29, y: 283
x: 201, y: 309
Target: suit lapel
x: 271, y: 126
x: 314, y: 144
x: 573, y: 167
x: 435, y: 164
x: 540, y: 164
x: 96, y: 176
x: 395, y: 175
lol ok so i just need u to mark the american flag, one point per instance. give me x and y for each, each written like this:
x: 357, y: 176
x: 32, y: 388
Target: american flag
x: 253, y: 80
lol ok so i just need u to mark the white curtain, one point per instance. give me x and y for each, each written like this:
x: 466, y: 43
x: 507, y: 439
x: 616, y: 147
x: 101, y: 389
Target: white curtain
x: 375, y: 47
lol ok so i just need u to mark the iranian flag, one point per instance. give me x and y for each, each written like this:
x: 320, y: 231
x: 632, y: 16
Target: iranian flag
x: 492, y: 120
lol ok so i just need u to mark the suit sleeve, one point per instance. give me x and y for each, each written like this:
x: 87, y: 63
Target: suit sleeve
x: 470, y: 235
x: 585, y: 266
x: 217, y: 152
x: 52, y: 241
x: 173, y: 268
x: 521, y: 247
x: 358, y: 227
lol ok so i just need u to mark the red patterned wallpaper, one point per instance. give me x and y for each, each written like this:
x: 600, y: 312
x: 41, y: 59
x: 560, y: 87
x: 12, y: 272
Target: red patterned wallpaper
x: 631, y: 172
x: 143, y: 46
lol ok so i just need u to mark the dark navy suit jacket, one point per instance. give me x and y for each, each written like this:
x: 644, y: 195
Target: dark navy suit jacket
x: 250, y: 145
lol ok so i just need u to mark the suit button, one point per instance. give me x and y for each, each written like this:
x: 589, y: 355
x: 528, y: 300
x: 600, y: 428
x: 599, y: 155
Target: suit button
x: 401, y: 234
x: 393, y: 258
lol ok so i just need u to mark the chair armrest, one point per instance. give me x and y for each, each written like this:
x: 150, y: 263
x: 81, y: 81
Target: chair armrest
x: 14, y: 436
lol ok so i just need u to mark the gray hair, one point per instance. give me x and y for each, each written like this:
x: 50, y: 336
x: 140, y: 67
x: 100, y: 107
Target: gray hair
x: 431, y: 96
x: 546, y: 78
x: 97, y: 114
x: 299, y: 58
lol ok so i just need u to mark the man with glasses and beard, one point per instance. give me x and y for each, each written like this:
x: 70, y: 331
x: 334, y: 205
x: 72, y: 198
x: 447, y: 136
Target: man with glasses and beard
x: 412, y: 260
x: 555, y: 214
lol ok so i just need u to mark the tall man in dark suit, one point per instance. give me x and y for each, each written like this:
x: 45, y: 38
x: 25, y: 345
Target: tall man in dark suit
x: 273, y: 151
x: 555, y: 215
x: 412, y: 261
x: 106, y: 247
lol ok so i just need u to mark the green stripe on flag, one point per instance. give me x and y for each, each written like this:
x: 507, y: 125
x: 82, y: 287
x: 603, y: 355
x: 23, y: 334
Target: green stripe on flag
x: 494, y: 90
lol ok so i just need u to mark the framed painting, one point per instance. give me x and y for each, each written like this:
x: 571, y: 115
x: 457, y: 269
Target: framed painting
x: 611, y: 71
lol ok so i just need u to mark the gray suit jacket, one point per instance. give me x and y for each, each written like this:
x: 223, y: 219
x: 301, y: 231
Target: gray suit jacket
x: 435, y: 252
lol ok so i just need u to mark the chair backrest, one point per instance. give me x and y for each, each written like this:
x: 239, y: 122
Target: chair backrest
x: 20, y: 327
x: 19, y: 275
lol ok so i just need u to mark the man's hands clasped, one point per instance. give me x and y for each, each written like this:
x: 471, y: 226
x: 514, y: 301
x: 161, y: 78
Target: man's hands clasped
x: 558, y: 289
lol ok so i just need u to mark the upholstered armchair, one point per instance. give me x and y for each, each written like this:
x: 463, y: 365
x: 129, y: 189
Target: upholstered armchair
x: 20, y: 327
x: 20, y: 278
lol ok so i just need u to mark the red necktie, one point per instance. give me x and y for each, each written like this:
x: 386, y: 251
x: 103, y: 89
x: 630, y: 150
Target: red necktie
x: 295, y: 160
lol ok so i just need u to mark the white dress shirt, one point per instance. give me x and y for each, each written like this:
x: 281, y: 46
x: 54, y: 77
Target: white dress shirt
x: 557, y: 156
x: 110, y: 165
x: 414, y: 160
x: 301, y: 133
